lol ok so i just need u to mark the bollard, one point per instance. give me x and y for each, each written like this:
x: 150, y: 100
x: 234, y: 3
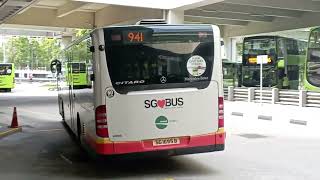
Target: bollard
x: 251, y: 94
x: 302, y: 98
x: 275, y: 95
x: 230, y: 93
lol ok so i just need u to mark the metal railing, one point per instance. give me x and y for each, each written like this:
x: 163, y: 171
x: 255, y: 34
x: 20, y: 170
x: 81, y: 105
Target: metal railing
x: 300, y: 98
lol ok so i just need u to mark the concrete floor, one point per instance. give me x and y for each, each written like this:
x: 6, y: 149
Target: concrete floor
x: 44, y: 150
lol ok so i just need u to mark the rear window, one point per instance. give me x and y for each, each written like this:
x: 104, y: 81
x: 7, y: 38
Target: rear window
x: 78, y: 67
x: 256, y: 46
x: 161, y: 57
x: 5, y: 69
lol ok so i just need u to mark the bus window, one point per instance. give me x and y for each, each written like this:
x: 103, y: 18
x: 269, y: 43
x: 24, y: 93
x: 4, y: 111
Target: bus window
x: 254, y: 47
x: 161, y: 63
x: 5, y: 69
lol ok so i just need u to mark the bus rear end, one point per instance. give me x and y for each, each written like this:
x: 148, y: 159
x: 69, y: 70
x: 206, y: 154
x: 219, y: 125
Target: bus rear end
x: 253, y: 47
x: 163, y: 92
x: 6, y: 76
x: 78, y: 73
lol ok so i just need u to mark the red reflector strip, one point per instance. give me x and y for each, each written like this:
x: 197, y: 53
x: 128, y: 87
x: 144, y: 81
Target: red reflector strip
x: 102, y: 126
x: 221, y: 113
x: 101, y: 122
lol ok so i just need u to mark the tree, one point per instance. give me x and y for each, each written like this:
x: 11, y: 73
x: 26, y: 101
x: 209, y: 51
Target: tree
x: 32, y: 52
x: 82, y: 32
x: 80, y: 52
x: 18, y: 51
x: 49, y: 50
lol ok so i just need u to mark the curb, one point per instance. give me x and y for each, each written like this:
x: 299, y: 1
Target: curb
x: 10, y: 131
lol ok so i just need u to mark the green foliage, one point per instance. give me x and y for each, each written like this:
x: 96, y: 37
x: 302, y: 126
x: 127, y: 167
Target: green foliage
x: 80, y: 52
x: 239, y: 49
x: 1, y: 54
x: 32, y: 52
x: 82, y: 32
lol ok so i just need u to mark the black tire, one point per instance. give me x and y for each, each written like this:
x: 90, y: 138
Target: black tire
x: 62, y: 111
x: 78, y: 128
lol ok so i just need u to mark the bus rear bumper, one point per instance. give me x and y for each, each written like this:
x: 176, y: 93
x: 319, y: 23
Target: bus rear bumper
x: 188, y: 145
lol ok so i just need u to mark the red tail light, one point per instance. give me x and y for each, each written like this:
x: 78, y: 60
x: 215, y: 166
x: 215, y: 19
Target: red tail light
x: 101, y: 121
x: 221, y: 113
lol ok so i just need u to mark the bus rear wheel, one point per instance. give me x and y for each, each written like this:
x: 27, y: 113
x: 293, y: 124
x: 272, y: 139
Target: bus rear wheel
x: 79, y: 132
x: 62, y: 111
x: 7, y: 90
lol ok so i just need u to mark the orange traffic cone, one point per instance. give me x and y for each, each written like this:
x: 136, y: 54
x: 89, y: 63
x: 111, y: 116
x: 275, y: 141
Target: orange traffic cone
x: 14, y: 122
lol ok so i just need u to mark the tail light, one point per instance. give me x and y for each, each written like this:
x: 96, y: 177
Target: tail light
x: 101, y: 121
x: 221, y: 113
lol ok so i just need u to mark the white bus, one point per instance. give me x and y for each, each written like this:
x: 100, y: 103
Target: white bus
x: 154, y: 89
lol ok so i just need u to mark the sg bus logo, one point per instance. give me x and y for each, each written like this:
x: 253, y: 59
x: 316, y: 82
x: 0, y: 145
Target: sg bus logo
x: 164, y: 103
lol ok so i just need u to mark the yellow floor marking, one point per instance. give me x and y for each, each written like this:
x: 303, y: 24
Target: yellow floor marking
x: 9, y: 131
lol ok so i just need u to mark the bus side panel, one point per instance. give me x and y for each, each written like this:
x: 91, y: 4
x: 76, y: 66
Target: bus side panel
x: 101, y: 79
x: 84, y: 109
x: 6, y: 82
x: 64, y: 101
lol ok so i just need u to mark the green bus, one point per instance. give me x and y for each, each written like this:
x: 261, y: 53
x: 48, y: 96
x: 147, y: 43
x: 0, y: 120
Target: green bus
x: 7, y: 76
x: 286, y: 61
x: 312, y: 72
x: 77, y: 74
x: 231, y: 74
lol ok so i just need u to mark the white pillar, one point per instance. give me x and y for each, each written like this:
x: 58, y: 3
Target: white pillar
x: 230, y: 48
x: 234, y: 49
x: 227, y: 48
x: 174, y: 16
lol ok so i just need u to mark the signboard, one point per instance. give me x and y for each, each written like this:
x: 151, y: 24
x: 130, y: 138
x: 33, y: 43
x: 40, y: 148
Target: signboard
x: 262, y: 59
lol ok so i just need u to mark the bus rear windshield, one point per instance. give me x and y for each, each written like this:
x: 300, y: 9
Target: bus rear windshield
x: 78, y: 68
x: 5, y: 69
x: 161, y: 57
x: 259, y: 46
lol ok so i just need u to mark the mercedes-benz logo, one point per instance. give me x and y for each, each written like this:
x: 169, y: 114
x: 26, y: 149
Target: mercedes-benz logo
x: 163, y: 79
x: 110, y: 93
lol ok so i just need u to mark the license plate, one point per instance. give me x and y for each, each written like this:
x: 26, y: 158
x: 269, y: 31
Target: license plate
x: 166, y: 141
